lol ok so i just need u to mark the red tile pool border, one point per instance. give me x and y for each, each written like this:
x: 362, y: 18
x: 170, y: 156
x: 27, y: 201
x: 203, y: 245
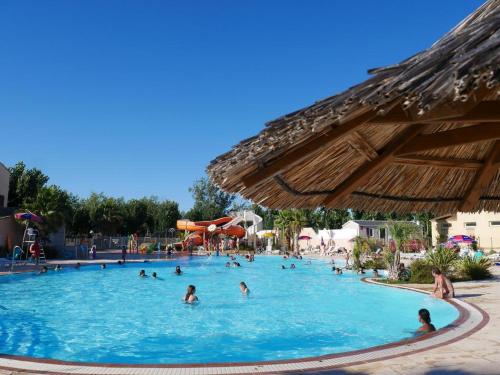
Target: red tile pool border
x: 463, y: 316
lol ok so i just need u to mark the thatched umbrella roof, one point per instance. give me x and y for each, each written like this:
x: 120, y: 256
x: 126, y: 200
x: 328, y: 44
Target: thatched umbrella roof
x: 421, y: 135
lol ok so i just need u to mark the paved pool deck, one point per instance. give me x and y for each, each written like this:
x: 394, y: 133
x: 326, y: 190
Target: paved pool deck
x: 472, y: 347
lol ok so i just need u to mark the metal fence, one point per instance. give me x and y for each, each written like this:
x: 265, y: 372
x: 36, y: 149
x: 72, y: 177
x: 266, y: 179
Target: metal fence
x: 116, y: 242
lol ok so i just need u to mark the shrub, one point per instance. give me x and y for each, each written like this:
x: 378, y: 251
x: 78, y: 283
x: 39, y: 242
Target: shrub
x: 388, y: 257
x: 356, y: 253
x: 442, y: 258
x: 421, y: 272
x: 473, y: 268
x: 376, y: 263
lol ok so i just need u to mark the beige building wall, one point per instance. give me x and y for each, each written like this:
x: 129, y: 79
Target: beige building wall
x: 4, y: 185
x: 484, y: 226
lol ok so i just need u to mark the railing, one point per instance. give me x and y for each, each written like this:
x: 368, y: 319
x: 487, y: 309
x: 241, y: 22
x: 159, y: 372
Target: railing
x: 116, y: 242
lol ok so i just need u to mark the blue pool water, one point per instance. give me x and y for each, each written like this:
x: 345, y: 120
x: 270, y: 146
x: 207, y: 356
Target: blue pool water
x: 113, y: 316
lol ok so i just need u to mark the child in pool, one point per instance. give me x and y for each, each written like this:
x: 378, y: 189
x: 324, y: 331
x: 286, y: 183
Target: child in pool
x: 243, y: 287
x: 190, y: 296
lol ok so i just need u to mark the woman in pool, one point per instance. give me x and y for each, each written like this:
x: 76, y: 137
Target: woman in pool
x: 424, y: 317
x: 375, y: 273
x: 103, y: 266
x: 178, y: 270
x: 292, y: 266
x: 243, y: 287
x: 155, y: 276
x: 190, y: 296
x: 142, y: 273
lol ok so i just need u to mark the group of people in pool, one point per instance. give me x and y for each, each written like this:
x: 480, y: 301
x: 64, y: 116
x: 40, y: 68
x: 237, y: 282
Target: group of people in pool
x: 443, y: 288
x: 154, y: 275
x: 191, y: 297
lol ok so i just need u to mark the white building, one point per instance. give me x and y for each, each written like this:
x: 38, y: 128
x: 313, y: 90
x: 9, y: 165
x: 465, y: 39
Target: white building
x: 377, y: 230
x: 4, y: 185
x: 483, y: 226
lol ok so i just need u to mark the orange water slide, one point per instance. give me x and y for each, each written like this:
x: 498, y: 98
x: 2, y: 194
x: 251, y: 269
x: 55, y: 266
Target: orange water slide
x: 202, y: 227
x: 198, y: 228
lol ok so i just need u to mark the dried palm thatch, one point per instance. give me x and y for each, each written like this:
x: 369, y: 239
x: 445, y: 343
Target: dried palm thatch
x: 421, y: 135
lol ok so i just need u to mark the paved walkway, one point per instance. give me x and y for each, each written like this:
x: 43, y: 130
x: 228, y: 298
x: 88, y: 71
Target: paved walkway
x: 478, y: 353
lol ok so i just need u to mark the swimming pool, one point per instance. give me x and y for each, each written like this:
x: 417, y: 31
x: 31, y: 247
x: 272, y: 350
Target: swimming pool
x: 113, y: 316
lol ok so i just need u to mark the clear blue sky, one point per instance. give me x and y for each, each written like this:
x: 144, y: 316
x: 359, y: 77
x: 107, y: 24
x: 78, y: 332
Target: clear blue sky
x: 134, y: 98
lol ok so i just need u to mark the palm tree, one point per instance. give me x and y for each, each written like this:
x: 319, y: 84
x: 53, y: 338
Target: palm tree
x: 283, y: 223
x: 290, y: 224
x: 401, y: 232
x: 297, y: 222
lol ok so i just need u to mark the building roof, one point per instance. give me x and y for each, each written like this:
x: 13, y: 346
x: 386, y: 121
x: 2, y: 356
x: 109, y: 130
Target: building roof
x: 420, y: 135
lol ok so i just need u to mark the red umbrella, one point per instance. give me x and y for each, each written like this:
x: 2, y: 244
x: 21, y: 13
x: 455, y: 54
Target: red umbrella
x: 29, y: 216
x: 461, y: 238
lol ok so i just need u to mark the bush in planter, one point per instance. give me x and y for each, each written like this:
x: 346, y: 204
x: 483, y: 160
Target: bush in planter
x: 421, y: 272
x: 473, y: 268
x: 443, y: 258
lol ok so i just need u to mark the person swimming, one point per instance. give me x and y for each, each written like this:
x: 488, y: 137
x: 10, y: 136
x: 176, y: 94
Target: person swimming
x: 44, y: 269
x: 338, y: 271
x: 292, y: 266
x: 178, y: 270
x: 57, y: 267
x: 228, y: 264
x: 77, y: 266
x: 243, y: 287
x: 283, y: 267
x: 424, y: 317
x: 154, y: 275
x: 142, y: 273
x: 103, y: 266
x: 190, y: 296
x: 375, y: 273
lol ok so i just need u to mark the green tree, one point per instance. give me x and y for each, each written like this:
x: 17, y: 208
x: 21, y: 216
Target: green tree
x: 401, y: 232
x: 332, y: 218
x: 24, y: 184
x: 290, y: 224
x: 106, y: 214
x: 210, y: 202
x: 80, y: 218
x: 54, y: 205
x: 283, y: 221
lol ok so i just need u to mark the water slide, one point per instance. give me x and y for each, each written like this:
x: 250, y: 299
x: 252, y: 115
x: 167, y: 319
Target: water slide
x: 224, y: 225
